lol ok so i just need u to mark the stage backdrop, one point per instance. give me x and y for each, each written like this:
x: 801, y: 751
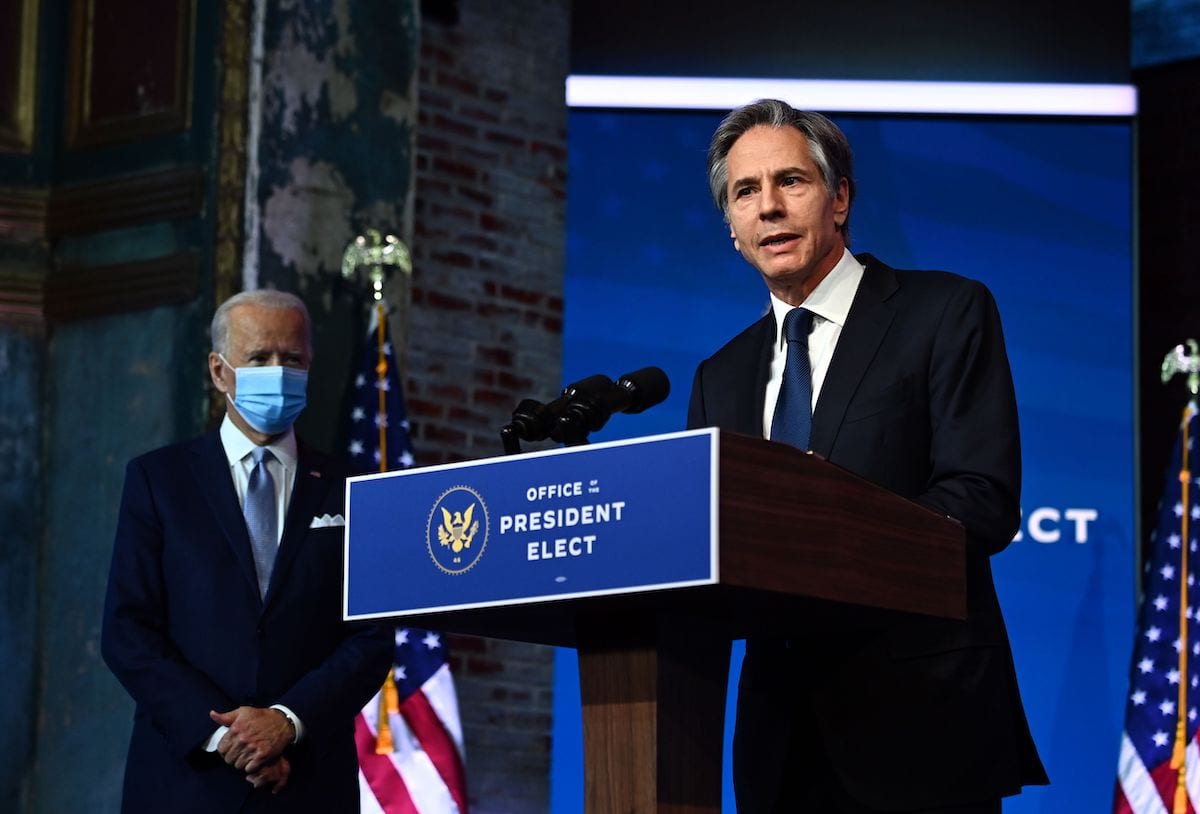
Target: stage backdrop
x: 1040, y: 211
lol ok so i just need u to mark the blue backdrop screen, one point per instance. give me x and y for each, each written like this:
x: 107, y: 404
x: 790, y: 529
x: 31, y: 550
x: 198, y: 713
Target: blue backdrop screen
x: 1040, y: 211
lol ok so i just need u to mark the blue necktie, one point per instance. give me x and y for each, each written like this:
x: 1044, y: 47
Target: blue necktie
x: 261, y: 518
x: 792, y: 422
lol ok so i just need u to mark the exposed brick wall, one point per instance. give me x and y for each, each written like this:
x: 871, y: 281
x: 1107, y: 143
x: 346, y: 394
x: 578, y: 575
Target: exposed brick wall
x: 486, y: 320
x: 486, y: 327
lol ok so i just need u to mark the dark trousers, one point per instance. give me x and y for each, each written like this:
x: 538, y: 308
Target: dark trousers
x: 814, y: 787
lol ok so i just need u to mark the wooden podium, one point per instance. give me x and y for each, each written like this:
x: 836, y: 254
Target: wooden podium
x: 800, y: 542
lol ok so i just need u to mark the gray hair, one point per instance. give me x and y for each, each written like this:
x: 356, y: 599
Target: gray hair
x: 263, y: 298
x: 826, y: 143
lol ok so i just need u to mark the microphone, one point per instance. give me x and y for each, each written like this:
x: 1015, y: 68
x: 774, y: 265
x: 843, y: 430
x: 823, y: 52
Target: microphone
x: 534, y: 421
x: 590, y: 410
x: 646, y: 388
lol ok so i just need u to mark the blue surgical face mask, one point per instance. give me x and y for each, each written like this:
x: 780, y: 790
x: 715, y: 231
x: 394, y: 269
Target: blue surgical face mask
x: 269, y: 398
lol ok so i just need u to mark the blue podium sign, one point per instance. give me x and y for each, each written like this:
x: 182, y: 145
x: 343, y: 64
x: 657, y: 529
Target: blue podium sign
x: 608, y: 518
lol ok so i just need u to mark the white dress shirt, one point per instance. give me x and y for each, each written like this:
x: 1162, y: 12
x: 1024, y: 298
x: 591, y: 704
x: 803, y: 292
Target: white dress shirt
x: 830, y: 304
x: 238, y: 449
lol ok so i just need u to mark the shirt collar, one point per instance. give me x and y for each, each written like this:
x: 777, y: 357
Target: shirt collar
x: 238, y: 446
x: 830, y: 300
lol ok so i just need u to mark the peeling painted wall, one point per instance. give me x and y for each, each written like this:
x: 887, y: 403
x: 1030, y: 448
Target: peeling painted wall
x: 335, y: 156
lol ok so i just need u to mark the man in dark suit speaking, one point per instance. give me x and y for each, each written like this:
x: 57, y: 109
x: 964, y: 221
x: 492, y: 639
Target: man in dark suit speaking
x: 902, y: 378
x: 223, y: 613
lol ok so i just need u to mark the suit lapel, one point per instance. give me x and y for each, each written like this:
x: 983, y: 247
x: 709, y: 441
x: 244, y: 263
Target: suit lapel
x: 866, y: 325
x: 308, y: 494
x: 750, y: 392
x: 211, y: 468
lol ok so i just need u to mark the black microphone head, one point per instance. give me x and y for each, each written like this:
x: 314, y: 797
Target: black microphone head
x: 583, y: 409
x: 588, y: 387
x: 532, y: 420
x: 644, y: 388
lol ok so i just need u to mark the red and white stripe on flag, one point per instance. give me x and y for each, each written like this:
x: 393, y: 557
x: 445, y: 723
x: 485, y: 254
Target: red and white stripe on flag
x: 1152, y: 791
x: 425, y: 772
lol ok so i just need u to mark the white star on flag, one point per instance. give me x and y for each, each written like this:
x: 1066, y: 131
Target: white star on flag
x: 1167, y: 571
x: 432, y: 641
x: 358, y: 414
x: 1146, y: 666
x: 1138, y: 698
x: 356, y: 447
x: 1153, y: 633
x: 1160, y: 602
x: 1167, y: 707
x: 1173, y: 541
x: 1173, y: 677
x: 361, y: 379
x: 1160, y: 738
x: 401, y: 636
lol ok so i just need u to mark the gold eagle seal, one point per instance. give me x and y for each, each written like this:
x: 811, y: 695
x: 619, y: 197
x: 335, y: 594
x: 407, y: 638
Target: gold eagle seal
x: 458, y: 529
x: 456, y: 533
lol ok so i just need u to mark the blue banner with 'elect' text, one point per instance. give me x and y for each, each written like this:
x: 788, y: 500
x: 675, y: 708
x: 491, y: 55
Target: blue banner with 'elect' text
x: 584, y: 521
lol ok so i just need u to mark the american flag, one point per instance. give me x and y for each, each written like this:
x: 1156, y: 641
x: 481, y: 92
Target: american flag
x: 378, y: 423
x: 1159, y: 766
x: 410, y: 743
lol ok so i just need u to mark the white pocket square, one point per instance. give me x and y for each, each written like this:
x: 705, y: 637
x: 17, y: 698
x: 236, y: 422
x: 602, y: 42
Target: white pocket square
x: 326, y: 520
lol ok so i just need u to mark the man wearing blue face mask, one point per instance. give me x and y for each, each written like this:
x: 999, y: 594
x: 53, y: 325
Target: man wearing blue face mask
x: 223, y: 614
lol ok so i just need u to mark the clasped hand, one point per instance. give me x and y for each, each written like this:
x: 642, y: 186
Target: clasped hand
x: 255, y: 743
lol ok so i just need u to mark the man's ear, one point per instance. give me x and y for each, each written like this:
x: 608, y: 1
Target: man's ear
x: 841, y: 203
x: 215, y: 372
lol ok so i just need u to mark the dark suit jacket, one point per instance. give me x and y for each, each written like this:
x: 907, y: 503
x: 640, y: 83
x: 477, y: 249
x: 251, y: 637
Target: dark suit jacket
x: 185, y: 632
x: 917, y: 712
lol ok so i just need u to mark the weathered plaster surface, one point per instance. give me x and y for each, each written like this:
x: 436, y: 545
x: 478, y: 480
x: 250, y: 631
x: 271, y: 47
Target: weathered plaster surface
x: 306, y: 220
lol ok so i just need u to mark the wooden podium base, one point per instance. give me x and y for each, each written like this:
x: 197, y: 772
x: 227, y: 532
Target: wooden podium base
x: 653, y: 690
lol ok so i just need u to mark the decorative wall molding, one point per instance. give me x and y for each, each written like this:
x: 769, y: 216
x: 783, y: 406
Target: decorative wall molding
x: 112, y: 203
x: 116, y: 203
x: 22, y: 297
x: 18, y: 74
x: 232, y: 110
x: 79, y: 292
x: 231, y: 149
x: 123, y: 85
x: 24, y: 212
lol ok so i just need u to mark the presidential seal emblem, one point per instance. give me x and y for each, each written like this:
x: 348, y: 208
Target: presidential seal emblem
x: 457, y: 531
